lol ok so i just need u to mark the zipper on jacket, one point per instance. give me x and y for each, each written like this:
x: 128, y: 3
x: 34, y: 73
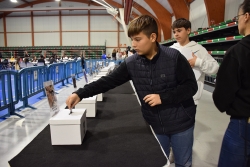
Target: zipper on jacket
x: 151, y: 84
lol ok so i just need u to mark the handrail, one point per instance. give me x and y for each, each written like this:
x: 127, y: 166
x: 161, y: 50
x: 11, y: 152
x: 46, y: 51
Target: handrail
x: 212, y: 29
x: 217, y: 52
x: 218, y: 40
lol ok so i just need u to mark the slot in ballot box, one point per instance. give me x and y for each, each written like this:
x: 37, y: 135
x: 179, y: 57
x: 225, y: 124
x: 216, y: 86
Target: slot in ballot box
x: 102, y: 73
x: 106, y: 69
x: 95, y: 79
x: 68, y: 129
x: 89, y: 104
x: 99, y: 75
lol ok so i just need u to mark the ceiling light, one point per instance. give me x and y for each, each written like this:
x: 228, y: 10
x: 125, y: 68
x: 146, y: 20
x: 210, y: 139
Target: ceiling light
x: 13, y: 0
x: 112, y: 11
x: 58, y: 0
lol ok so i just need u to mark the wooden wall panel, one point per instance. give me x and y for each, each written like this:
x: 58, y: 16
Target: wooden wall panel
x: 144, y: 11
x: 180, y: 8
x: 164, y: 17
x: 215, y: 11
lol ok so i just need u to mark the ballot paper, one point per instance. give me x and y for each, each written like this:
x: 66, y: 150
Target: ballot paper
x: 188, y: 54
x: 51, y: 96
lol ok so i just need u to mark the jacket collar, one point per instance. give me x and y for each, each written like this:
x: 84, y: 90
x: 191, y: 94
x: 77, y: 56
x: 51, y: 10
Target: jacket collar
x: 155, y: 57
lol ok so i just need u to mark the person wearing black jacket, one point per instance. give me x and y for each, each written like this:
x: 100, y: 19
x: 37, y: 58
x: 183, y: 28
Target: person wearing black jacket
x: 232, y: 95
x: 26, y: 57
x: 52, y: 59
x: 114, y: 54
x: 83, y: 62
x: 165, y: 84
x: 41, y: 60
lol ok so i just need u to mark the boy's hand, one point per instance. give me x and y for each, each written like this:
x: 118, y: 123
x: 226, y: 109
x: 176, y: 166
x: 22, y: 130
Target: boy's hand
x: 152, y: 99
x: 72, y: 100
x: 193, y: 60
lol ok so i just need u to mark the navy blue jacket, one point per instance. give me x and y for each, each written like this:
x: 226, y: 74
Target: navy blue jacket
x: 167, y: 74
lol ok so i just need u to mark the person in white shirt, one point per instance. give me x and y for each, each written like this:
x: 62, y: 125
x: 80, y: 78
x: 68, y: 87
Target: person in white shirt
x: 201, y: 61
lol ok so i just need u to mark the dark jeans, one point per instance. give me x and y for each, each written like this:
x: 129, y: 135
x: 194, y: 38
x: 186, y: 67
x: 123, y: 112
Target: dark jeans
x: 182, y: 144
x: 233, y: 145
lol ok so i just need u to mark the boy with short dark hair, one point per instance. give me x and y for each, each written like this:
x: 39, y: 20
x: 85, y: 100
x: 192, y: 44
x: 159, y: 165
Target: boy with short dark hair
x: 201, y: 61
x: 165, y: 84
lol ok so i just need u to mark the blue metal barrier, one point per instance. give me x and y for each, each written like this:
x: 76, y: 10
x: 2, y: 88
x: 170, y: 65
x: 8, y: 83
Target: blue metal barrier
x: 78, y: 67
x: 70, y: 68
x: 93, y: 65
x: 19, y: 86
x: 88, y: 66
x: 56, y: 73
x: 31, y: 82
x: 8, y: 92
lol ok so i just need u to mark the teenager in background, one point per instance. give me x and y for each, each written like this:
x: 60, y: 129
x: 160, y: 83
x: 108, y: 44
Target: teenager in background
x: 114, y: 54
x: 201, y: 60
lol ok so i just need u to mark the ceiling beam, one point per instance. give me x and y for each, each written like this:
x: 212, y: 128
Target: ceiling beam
x: 89, y: 3
x: 143, y: 11
x: 43, y: 1
x: 111, y: 2
x: 189, y: 1
x: 49, y: 9
x: 180, y: 8
x: 215, y: 13
x: 30, y: 3
x: 163, y: 16
x: 123, y: 3
x: 127, y: 10
x: 134, y: 15
x: 114, y: 4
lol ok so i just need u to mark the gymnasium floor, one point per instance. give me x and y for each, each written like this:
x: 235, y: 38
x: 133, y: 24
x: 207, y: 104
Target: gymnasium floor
x: 210, y: 126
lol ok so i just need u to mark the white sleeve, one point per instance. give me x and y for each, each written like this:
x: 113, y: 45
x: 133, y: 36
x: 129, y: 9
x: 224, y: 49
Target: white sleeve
x: 206, y: 63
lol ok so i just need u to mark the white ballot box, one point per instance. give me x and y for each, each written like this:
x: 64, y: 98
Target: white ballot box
x: 99, y: 96
x: 89, y: 104
x: 102, y: 73
x: 68, y: 129
x: 106, y: 69
x: 95, y: 79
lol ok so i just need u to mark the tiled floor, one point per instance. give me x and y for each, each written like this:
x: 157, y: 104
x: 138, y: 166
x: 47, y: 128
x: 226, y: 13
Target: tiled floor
x: 210, y: 126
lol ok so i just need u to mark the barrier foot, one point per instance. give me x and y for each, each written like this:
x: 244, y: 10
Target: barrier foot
x: 23, y: 107
x: 17, y: 115
x: 31, y: 107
